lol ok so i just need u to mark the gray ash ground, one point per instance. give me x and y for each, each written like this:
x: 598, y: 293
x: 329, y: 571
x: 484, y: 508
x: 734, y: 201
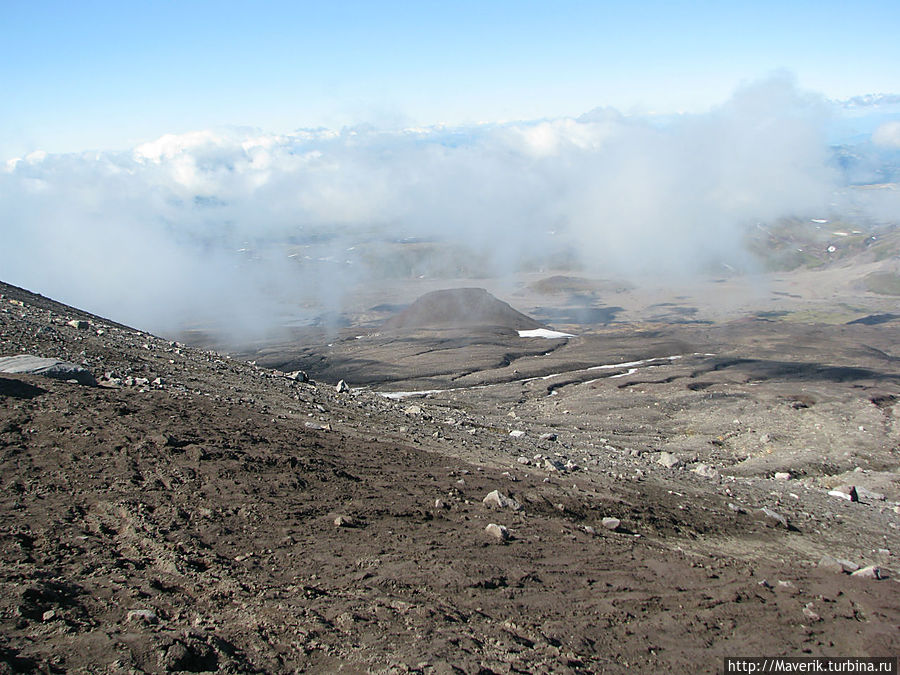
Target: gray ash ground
x: 181, y: 516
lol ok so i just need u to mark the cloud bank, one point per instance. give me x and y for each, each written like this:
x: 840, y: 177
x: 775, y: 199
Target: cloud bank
x: 236, y: 225
x: 888, y: 135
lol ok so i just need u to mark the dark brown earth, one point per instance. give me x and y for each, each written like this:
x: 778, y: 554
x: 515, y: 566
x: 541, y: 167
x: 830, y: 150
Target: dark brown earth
x: 188, y: 523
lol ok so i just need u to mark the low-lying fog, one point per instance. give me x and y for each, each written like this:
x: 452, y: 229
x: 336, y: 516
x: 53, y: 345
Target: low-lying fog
x: 245, y: 228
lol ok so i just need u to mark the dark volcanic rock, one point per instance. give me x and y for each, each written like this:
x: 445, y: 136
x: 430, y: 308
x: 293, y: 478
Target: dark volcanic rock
x: 460, y: 307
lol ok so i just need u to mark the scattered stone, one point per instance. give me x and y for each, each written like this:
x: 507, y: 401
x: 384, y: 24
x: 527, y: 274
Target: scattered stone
x: 49, y: 615
x: 788, y: 586
x: 315, y: 426
x: 547, y: 437
x: 298, y: 376
x: 774, y: 518
x: 500, y: 500
x: 499, y: 532
x: 864, y: 493
x: 706, y: 471
x: 736, y: 508
x: 412, y: 410
x: 782, y: 475
x: 870, y: 572
x: 838, y: 565
x: 589, y: 529
x: 439, y: 503
x: 553, y: 465
x: 810, y: 614
x: 142, y: 615
x: 668, y: 460
x: 79, y: 324
x: 342, y: 387
x: 611, y: 523
x: 55, y: 368
x: 523, y: 460
x: 158, y: 382
x: 847, y: 492
x: 517, y: 433
x: 344, y: 521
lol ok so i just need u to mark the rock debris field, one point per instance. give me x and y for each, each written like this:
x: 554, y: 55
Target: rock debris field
x: 644, y: 499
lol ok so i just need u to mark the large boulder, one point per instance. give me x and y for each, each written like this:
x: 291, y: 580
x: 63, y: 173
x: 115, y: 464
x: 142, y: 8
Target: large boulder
x: 55, y: 368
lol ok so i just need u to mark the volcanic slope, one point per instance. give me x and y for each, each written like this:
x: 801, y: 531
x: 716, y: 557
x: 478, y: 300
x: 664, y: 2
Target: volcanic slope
x: 182, y: 516
x: 440, y: 337
x: 460, y: 308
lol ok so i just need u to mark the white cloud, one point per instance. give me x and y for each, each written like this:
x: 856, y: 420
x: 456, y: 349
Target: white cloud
x: 887, y: 135
x: 149, y: 236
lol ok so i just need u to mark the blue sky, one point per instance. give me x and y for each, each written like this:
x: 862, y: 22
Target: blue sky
x: 109, y: 75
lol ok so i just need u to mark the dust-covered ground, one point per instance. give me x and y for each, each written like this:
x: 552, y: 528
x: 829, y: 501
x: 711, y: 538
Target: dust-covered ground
x: 197, y: 512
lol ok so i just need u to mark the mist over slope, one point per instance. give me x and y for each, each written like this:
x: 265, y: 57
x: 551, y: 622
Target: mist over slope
x: 236, y: 225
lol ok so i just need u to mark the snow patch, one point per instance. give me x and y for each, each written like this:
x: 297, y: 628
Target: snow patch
x: 544, y: 333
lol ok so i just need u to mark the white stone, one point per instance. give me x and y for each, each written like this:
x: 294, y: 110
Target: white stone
x: 870, y: 572
x: 847, y: 492
x: 838, y: 564
x: 810, y: 614
x: 553, y: 465
x: 775, y: 518
x: 611, y: 523
x: 706, y: 471
x: 865, y: 493
x: 55, y: 368
x: 497, y: 531
x: 668, y: 460
x: 500, y: 500
x: 145, y: 615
